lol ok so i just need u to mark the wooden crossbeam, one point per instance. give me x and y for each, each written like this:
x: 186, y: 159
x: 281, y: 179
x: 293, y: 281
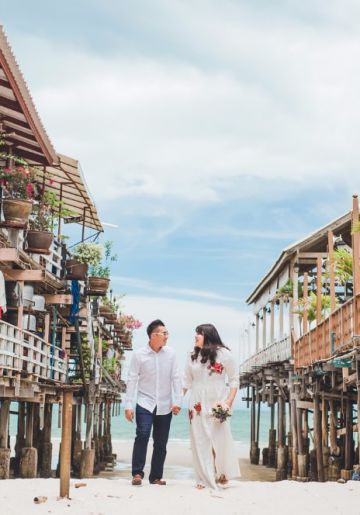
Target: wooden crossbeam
x: 24, y: 275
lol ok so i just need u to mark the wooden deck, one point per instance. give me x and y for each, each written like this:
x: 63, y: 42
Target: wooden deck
x: 335, y: 334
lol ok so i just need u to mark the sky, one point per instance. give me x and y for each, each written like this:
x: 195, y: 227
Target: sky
x: 212, y: 133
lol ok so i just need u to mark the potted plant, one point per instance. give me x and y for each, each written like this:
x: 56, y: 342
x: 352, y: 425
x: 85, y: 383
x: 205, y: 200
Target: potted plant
x: 17, y: 181
x: 108, y: 309
x: 43, y: 220
x: 84, y: 255
x: 100, y: 273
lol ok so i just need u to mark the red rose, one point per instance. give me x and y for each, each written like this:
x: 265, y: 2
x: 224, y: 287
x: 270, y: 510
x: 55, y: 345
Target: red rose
x: 197, y: 408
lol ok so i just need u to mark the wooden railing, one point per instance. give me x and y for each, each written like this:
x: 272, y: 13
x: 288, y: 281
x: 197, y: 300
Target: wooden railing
x: 22, y: 352
x: 334, y: 334
x: 275, y: 353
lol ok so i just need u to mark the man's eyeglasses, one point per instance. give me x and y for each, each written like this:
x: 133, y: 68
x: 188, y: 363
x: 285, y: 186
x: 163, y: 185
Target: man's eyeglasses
x: 164, y: 333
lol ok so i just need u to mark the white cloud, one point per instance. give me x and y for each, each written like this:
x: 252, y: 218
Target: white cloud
x: 167, y: 290
x: 272, y: 101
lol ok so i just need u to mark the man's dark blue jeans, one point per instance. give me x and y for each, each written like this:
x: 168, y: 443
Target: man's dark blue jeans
x: 160, y: 424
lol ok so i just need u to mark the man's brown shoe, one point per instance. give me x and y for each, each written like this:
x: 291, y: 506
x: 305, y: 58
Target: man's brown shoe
x: 136, y: 480
x: 158, y: 482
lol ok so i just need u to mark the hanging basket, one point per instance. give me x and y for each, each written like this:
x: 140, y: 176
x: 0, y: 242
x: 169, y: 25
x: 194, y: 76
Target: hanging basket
x: 76, y: 270
x: 16, y: 212
x: 97, y: 286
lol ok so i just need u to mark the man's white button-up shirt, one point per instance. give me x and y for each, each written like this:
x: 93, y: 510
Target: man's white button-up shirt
x: 157, y: 378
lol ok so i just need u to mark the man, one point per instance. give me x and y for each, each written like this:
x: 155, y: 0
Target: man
x: 153, y: 370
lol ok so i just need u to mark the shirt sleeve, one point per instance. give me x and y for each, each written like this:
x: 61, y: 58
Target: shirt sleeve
x: 132, y: 381
x: 187, y: 377
x: 176, y: 382
x: 231, y: 370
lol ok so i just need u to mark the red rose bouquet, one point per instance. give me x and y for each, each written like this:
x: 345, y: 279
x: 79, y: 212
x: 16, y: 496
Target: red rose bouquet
x: 220, y: 412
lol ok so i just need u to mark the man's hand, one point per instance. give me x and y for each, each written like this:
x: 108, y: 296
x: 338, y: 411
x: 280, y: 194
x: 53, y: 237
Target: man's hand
x: 129, y: 415
x: 175, y: 410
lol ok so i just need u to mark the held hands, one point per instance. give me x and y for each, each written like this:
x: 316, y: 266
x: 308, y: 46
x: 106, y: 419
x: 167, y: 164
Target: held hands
x: 129, y: 415
x: 175, y: 410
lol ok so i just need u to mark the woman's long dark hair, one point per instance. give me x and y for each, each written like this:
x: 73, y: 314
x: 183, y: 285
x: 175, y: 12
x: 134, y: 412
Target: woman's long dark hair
x: 212, y: 342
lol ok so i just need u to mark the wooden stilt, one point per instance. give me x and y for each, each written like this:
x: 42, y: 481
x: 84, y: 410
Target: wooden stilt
x: 318, y: 438
x: 254, y: 449
x: 4, y: 432
x: 46, y: 445
x: 65, y: 453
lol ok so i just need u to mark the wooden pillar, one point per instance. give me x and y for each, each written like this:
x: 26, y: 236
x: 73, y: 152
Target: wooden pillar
x: 331, y: 270
x: 21, y: 306
x: 29, y: 456
x: 293, y: 427
x: 254, y: 449
x: 281, y: 319
x: 257, y: 334
x: 306, y: 296
x: 272, y: 322
x: 20, y: 436
x: 46, y: 445
x: 264, y: 327
x: 318, y: 289
x: 281, y: 454
x: 318, y: 438
x: 47, y: 327
x: 348, y: 436
x: 65, y: 451
x: 88, y: 453
x: 356, y: 247
x: 4, y: 433
x: 295, y: 299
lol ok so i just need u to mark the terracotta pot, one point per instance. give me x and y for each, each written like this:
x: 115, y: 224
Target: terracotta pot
x: 98, y: 285
x: 104, y: 310
x: 16, y: 212
x: 76, y: 270
x: 111, y: 317
x: 39, y: 242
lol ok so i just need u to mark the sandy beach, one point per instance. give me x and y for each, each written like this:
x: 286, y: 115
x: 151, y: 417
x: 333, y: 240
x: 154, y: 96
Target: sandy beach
x: 107, y: 497
x: 112, y: 493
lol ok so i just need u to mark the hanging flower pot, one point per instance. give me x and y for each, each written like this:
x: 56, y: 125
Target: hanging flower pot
x: 111, y: 317
x: 16, y: 212
x: 98, y: 286
x: 104, y: 310
x: 76, y: 270
x: 39, y: 242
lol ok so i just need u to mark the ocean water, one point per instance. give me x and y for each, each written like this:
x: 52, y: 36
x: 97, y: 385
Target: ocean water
x: 124, y: 430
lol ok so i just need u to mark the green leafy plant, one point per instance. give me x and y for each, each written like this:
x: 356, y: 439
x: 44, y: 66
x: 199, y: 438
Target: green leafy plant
x: 88, y: 253
x: 103, y: 268
x: 309, y: 306
x: 46, y: 212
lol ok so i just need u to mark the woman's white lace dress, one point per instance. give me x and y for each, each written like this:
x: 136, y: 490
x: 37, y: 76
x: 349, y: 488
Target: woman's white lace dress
x: 212, y: 444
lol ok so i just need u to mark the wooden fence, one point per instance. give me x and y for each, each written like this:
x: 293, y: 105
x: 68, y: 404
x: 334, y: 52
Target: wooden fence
x: 25, y: 353
x: 334, y: 334
x: 277, y: 352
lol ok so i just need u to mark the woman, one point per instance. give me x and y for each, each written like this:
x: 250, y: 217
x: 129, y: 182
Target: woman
x: 214, y: 456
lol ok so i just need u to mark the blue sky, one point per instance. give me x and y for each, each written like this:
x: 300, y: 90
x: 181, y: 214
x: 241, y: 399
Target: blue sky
x: 214, y: 133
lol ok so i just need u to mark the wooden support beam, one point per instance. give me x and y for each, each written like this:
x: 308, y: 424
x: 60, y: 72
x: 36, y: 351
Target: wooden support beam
x: 24, y: 275
x: 331, y: 270
x: 4, y: 423
x: 305, y: 405
x: 318, y: 289
x: 306, y: 296
x: 9, y: 255
x: 58, y: 298
x: 318, y: 439
x: 356, y: 246
x: 65, y: 450
x: 314, y: 255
